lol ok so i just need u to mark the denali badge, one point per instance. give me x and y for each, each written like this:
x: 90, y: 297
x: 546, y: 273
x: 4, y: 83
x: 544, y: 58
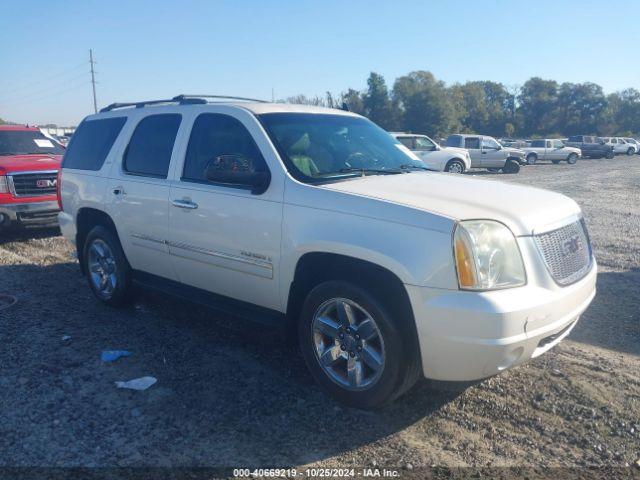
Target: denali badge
x: 573, y: 245
x: 46, y: 183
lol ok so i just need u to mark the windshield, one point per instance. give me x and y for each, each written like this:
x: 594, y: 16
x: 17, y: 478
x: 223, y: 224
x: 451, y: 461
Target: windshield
x: 26, y: 142
x: 322, y: 147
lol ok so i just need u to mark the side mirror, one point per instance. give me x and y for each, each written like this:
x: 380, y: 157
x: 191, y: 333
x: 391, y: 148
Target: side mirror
x: 237, y: 170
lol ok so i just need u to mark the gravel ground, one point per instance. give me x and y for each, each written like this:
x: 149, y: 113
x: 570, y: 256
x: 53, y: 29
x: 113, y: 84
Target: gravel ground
x: 232, y: 394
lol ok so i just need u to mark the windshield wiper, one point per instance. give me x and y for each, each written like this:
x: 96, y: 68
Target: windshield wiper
x: 370, y: 171
x: 408, y: 166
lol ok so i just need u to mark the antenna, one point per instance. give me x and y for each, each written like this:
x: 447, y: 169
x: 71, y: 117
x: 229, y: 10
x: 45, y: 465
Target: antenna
x: 93, y: 81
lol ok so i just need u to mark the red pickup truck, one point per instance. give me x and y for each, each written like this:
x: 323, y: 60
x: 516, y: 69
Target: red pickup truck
x: 29, y: 164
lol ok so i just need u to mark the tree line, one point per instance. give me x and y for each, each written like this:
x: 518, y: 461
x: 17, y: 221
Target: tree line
x: 420, y: 103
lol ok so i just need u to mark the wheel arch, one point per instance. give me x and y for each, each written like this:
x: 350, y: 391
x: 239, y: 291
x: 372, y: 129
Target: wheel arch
x: 313, y: 268
x: 86, y: 219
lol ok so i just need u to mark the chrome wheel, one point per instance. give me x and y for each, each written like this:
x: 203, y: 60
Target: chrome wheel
x: 455, y: 167
x: 348, y: 344
x: 102, y: 268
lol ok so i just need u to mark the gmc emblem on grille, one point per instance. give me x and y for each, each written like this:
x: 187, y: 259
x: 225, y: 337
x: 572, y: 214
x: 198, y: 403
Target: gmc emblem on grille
x: 46, y: 183
x: 573, y: 245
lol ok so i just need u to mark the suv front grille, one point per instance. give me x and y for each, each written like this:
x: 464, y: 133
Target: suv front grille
x: 566, y: 252
x: 33, y: 184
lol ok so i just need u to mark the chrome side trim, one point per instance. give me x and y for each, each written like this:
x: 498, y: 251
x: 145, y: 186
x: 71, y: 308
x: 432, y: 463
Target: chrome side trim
x: 142, y: 236
x: 227, y: 256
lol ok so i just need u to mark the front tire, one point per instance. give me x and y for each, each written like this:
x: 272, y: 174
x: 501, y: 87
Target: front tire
x: 106, y: 267
x: 511, y: 166
x: 454, y: 166
x: 631, y: 151
x: 572, y: 159
x: 610, y: 155
x: 354, y: 348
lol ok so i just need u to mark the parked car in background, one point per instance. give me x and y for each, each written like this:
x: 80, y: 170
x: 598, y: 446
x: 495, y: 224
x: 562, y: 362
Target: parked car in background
x: 635, y: 142
x: 550, y: 149
x: 442, y: 159
x: 621, y: 146
x: 515, y: 143
x: 318, y: 221
x: 487, y: 153
x: 29, y: 164
x: 590, y: 146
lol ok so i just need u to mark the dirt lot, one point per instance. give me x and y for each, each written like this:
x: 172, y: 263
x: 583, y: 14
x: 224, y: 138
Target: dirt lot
x: 232, y: 394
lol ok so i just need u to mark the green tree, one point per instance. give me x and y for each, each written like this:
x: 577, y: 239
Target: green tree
x: 377, y: 102
x: 581, y: 108
x: 425, y: 104
x: 538, y: 101
x: 353, y: 100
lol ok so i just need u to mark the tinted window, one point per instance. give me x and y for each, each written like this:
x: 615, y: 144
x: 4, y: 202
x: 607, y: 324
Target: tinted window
x: 222, y: 141
x: 150, y: 147
x: 575, y: 139
x: 25, y: 142
x: 537, y: 144
x: 92, y: 142
x: 454, y: 141
x: 472, y: 142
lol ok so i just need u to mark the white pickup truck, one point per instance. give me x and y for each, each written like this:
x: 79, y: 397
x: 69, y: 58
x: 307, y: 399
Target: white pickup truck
x: 441, y: 159
x: 320, y: 222
x: 551, y: 149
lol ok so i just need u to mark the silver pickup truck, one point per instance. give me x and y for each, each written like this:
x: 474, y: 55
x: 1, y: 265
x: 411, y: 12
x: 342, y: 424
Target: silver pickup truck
x: 550, y: 149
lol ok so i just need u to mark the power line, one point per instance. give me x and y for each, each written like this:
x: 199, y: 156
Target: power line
x: 44, y: 79
x: 52, y: 94
x: 93, y: 81
x: 38, y: 92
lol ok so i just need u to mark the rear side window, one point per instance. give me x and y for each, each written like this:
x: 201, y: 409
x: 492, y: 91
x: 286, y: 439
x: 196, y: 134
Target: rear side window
x: 215, y: 138
x: 406, y: 141
x: 150, y: 147
x: 92, y: 142
x: 472, y: 143
x: 537, y: 144
x: 454, y: 141
x: 575, y: 139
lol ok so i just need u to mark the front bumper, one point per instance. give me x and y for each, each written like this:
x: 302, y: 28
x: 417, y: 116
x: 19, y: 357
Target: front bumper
x: 466, y: 336
x: 27, y: 214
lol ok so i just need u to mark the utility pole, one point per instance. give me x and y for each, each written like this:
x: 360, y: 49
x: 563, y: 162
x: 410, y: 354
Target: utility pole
x: 93, y: 81
x: 273, y: 95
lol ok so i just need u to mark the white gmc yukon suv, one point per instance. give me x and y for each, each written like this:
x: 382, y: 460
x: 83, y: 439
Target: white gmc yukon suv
x: 320, y: 221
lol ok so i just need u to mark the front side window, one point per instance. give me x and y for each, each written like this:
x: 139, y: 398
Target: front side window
x: 488, y: 142
x: 472, y: 143
x: 558, y: 144
x: 424, y: 143
x: 27, y: 142
x: 220, y: 142
x: 92, y: 142
x: 326, y: 147
x: 150, y: 147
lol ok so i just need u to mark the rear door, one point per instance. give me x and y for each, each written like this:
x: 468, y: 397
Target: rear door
x: 138, y: 194
x: 472, y: 144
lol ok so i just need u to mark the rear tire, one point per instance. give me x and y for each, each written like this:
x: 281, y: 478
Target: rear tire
x: 454, y: 166
x: 572, y: 159
x: 631, y: 151
x: 107, y: 269
x: 354, y: 347
x: 532, y: 158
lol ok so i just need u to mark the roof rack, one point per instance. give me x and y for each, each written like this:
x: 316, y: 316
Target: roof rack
x: 181, y: 99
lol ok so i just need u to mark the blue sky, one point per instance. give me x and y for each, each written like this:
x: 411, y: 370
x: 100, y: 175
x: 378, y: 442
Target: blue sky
x: 156, y: 49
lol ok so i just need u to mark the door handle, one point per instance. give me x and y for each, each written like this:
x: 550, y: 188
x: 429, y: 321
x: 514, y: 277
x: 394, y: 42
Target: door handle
x: 117, y: 191
x: 188, y: 204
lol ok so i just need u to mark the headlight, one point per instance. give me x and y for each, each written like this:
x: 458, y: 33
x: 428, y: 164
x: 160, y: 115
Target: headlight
x: 4, y: 186
x: 487, y: 256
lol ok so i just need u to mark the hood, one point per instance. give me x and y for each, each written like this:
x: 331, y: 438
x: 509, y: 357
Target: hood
x: 522, y: 209
x: 22, y: 163
x: 513, y: 151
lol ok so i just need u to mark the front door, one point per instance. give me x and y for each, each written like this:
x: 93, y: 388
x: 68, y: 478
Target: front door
x: 224, y: 238
x: 493, y: 156
x: 424, y: 149
x: 139, y: 194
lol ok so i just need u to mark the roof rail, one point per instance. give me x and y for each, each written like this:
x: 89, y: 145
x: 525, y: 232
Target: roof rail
x: 217, y: 97
x: 181, y: 99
